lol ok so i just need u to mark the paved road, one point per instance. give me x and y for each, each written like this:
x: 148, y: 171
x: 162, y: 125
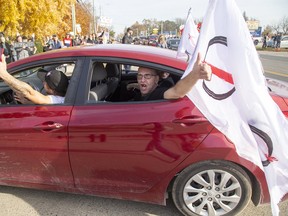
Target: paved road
x: 275, y: 64
x: 27, y: 202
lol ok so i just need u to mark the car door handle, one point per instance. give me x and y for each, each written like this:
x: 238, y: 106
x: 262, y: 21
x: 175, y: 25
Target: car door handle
x: 190, y: 120
x: 48, y: 126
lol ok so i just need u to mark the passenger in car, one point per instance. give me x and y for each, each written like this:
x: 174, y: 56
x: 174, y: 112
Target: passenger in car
x: 150, y: 89
x: 55, y: 84
x: 165, y: 79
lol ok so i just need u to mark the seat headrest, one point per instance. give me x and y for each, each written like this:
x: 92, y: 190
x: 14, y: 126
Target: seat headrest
x: 112, y: 70
x: 99, y: 72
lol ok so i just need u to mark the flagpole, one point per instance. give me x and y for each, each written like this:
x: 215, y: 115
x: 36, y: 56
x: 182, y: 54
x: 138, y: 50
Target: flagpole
x: 189, y: 11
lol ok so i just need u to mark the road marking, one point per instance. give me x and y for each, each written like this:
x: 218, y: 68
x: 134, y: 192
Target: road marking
x: 276, y: 73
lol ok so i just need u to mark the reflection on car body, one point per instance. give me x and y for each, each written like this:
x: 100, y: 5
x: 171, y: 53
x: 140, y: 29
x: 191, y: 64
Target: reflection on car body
x: 100, y: 143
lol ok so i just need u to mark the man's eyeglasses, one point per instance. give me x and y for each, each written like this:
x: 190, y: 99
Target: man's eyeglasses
x: 146, y: 76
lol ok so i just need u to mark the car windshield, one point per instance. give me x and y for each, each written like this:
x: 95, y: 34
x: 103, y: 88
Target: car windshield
x: 26, y: 73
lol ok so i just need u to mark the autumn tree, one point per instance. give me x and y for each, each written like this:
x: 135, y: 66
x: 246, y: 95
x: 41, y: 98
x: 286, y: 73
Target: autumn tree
x: 84, y: 17
x: 148, y: 25
x: 41, y: 17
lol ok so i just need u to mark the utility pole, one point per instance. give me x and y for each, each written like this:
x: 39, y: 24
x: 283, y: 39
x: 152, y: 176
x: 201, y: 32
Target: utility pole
x: 73, y: 19
x: 93, y: 29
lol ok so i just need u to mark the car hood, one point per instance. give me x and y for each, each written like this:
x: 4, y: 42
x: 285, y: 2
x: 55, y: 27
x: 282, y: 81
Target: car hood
x: 278, y: 87
x: 279, y: 92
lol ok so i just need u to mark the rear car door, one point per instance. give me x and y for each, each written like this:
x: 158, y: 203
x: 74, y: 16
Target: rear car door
x: 129, y: 147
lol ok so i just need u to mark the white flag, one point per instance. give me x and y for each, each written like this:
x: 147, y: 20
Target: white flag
x: 236, y: 100
x: 189, y: 38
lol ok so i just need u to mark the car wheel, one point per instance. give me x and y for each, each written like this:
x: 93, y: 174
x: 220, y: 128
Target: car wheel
x: 212, y: 188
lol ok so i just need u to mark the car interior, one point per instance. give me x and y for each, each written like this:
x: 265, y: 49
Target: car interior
x: 110, y: 82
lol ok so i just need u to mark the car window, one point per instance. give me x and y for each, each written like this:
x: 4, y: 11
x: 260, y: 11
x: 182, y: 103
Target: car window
x: 26, y: 73
x: 104, y: 80
x: 175, y: 41
x: 66, y: 68
x: 106, y: 85
x: 30, y: 76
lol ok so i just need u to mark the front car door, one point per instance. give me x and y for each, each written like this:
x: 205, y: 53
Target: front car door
x: 34, y: 138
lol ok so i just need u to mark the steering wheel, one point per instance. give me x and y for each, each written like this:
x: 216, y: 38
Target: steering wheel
x: 35, y: 87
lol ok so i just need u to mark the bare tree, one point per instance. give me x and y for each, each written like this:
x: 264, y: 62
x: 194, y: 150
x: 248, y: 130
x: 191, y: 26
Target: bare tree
x: 276, y: 27
x: 283, y: 24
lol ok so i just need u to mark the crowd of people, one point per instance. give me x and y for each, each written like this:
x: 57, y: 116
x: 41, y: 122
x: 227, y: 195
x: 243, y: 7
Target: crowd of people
x: 160, y: 40
x: 23, y: 46
x: 53, y: 42
x: 275, y: 38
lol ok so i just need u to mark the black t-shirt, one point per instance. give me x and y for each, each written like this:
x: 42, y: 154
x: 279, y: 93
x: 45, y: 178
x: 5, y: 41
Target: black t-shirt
x: 157, y: 94
x: 168, y: 82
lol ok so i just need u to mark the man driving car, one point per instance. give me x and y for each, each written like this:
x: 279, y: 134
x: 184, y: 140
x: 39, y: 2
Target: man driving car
x: 55, y: 84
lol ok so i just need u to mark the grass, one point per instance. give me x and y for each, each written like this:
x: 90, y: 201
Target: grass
x: 270, y: 49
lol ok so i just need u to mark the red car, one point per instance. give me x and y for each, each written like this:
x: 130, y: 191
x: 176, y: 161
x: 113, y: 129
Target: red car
x: 100, y: 143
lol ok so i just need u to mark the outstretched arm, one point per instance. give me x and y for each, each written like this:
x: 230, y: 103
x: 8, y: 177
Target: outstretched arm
x: 200, y: 71
x: 20, y: 87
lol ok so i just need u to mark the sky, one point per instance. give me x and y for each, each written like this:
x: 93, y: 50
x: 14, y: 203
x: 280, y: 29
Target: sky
x: 125, y: 13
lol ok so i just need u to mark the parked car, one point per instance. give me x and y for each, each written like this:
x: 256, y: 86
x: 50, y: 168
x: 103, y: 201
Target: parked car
x: 100, y: 143
x: 257, y: 40
x: 284, y: 42
x: 173, y: 43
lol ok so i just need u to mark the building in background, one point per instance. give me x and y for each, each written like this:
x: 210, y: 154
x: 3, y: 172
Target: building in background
x: 255, y: 30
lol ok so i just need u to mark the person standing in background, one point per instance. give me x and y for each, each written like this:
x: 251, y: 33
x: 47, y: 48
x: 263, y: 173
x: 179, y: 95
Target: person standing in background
x: 7, y: 51
x: 67, y: 41
x: 128, y: 39
x: 56, y: 44
x: 162, y: 42
x: 265, y: 38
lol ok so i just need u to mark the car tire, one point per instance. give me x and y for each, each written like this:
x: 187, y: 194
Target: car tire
x: 212, y: 188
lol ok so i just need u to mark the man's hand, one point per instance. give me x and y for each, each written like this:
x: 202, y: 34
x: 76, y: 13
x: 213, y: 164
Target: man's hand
x: 3, y: 65
x: 21, y: 98
x: 202, y: 70
x: 132, y: 86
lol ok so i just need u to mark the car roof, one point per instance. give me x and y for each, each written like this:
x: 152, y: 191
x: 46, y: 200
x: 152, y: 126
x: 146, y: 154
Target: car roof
x: 128, y: 51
